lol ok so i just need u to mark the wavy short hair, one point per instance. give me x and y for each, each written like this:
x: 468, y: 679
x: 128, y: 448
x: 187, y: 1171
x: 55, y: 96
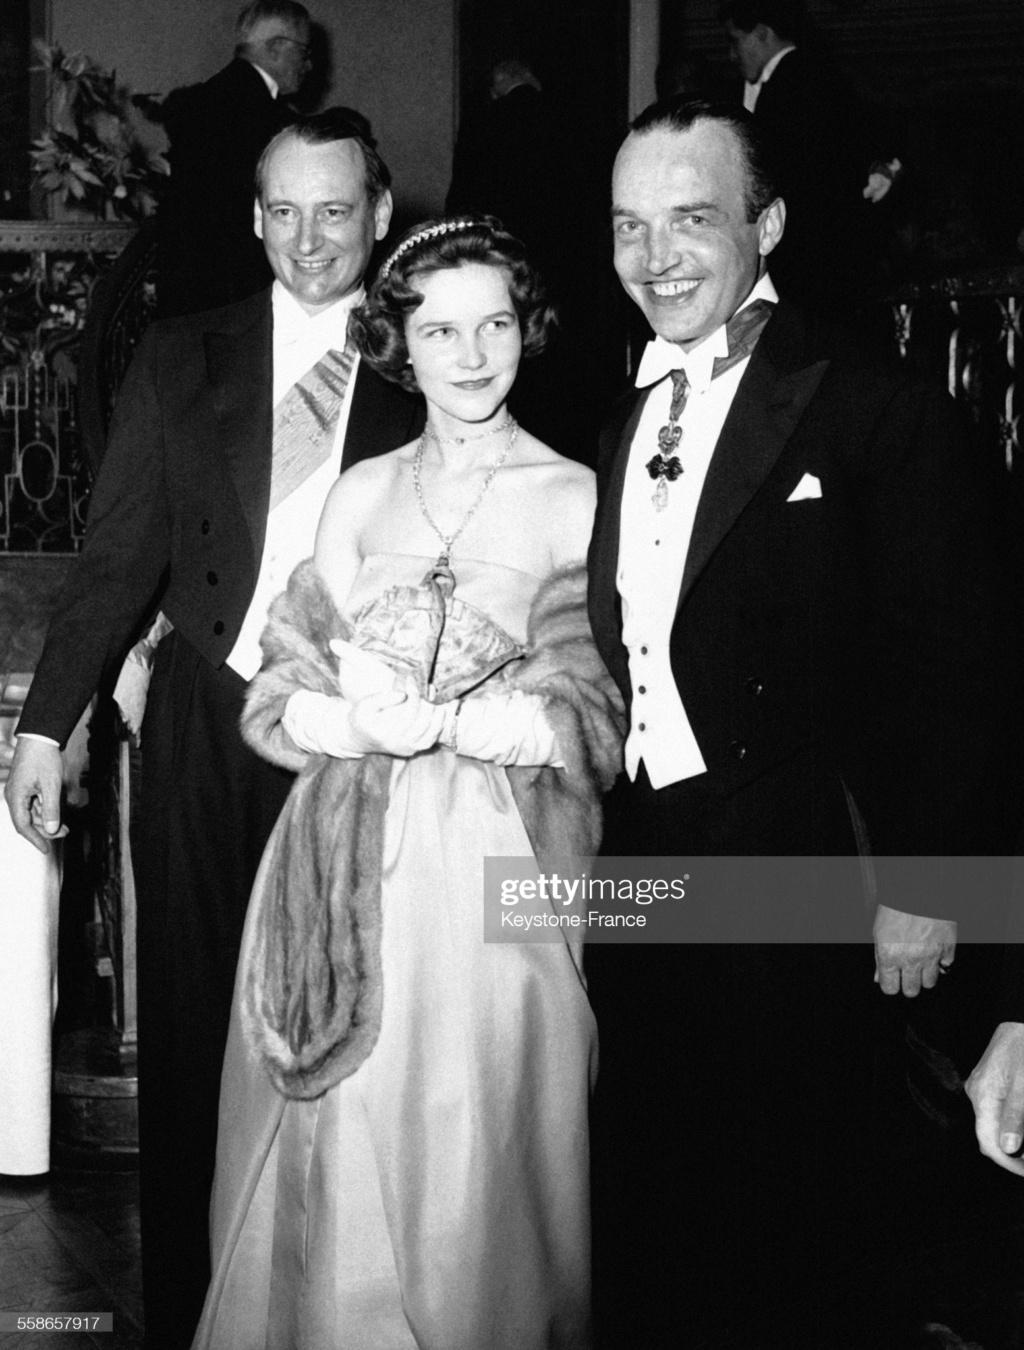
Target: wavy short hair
x: 378, y: 325
x: 324, y: 128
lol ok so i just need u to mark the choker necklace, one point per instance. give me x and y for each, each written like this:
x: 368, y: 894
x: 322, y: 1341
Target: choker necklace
x: 432, y: 435
x: 447, y: 540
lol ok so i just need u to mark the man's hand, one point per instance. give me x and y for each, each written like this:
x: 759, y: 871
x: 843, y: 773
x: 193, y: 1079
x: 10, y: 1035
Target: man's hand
x: 996, y: 1090
x: 33, y: 792
x: 878, y: 185
x: 911, y: 951
x: 881, y: 178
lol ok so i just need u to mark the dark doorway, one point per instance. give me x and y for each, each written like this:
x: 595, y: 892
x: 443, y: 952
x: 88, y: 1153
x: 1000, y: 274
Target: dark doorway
x: 561, y: 160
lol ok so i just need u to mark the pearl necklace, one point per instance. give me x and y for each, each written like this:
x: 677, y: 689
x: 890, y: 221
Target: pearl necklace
x: 447, y: 540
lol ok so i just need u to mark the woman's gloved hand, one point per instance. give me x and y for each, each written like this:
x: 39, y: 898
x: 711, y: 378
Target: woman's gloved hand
x: 360, y: 672
x: 390, y: 722
x: 510, y: 728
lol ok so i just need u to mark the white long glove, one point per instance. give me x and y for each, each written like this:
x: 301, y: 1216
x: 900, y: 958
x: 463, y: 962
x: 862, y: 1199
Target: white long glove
x: 391, y: 722
x: 508, y: 728
x: 361, y: 673
x: 503, y: 728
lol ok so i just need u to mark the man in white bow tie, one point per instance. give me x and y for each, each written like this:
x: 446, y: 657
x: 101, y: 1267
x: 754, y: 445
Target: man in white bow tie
x: 792, y: 582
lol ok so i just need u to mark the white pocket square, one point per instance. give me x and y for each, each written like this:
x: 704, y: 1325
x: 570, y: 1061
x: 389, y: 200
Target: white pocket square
x: 808, y: 486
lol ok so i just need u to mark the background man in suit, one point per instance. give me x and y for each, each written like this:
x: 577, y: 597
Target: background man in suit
x: 826, y: 154
x: 202, y: 508
x: 217, y: 131
x: 791, y: 583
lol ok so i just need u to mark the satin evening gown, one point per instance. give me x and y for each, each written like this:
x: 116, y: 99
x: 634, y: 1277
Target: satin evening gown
x: 437, y: 1199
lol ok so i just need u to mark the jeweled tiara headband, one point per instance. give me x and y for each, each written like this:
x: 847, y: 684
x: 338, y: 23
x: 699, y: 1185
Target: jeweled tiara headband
x: 431, y: 232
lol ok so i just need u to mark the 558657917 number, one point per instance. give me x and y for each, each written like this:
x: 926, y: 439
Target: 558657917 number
x: 50, y: 1321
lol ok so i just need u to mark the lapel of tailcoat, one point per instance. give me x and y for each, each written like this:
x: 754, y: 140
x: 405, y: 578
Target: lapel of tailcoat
x: 772, y: 396
x: 604, y: 603
x: 239, y: 367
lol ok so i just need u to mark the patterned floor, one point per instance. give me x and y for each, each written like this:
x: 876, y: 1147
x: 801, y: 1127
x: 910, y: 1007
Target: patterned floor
x: 69, y: 1242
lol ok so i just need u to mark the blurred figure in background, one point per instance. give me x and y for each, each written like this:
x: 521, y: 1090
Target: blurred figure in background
x: 517, y: 160
x: 511, y: 162
x: 217, y: 131
x: 691, y: 74
x: 827, y: 158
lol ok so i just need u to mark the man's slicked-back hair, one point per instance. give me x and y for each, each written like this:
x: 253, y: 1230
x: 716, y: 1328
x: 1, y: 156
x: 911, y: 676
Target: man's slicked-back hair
x: 324, y: 128
x: 250, y: 16
x: 786, y: 18
x: 681, y: 112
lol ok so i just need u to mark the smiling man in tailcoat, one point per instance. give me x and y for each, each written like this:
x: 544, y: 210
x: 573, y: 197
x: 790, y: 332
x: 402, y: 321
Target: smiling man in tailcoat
x: 201, y: 510
x: 792, y: 582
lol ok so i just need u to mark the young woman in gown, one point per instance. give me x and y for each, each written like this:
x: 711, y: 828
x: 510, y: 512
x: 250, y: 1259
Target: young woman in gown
x: 403, y: 1151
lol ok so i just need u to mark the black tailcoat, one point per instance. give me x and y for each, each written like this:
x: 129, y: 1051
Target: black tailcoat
x: 853, y: 639
x: 854, y: 636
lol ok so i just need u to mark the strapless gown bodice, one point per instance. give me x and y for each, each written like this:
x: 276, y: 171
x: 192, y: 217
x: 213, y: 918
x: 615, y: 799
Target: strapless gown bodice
x: 503, y: 593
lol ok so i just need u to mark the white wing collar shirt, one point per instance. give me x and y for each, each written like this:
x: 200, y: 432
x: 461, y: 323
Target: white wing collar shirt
x: 299, y: 341
x: 653, y: 544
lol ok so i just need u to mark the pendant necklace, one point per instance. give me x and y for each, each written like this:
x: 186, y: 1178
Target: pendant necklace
x: 447, y: 540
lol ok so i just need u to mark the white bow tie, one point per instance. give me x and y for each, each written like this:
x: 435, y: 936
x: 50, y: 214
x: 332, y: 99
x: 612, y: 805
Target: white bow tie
x: 661, y: 357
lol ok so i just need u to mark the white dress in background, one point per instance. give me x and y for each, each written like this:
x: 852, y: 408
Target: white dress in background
x: 29, y: 896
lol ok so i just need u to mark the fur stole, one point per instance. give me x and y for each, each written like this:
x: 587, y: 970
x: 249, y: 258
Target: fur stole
x: 312, y: 991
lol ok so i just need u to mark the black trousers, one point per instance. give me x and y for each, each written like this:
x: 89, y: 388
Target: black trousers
x: 208, y: 807
x: 770, y: 1134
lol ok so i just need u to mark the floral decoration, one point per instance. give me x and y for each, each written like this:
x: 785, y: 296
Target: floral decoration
x: 95, y: 153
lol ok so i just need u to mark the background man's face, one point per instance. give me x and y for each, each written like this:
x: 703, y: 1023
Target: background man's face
x: 282, y: 49
x: 684, y: 249
x: 749, y: 50
x: 316, y: 220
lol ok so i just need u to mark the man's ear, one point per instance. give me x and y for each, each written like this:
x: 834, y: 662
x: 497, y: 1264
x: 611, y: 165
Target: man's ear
x: 771, y: 224
x: 382, y: 214
x: 257, y: 218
